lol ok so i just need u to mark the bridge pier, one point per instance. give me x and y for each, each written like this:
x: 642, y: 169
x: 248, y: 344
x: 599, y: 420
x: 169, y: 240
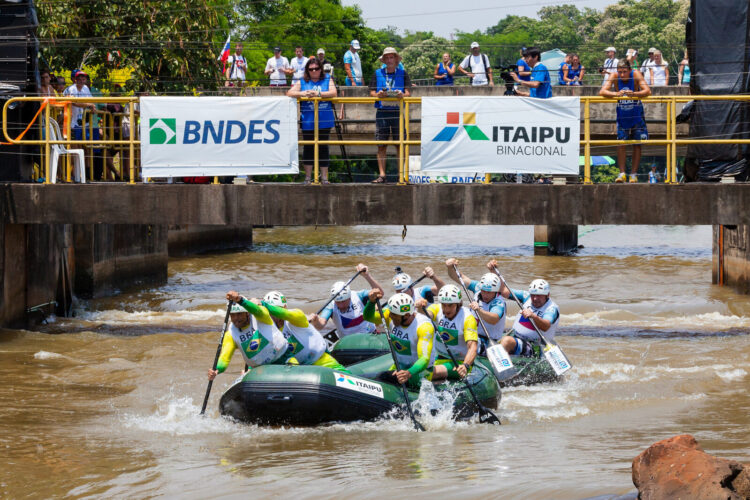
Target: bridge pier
x: 731, y: 257
x: 555, y: 239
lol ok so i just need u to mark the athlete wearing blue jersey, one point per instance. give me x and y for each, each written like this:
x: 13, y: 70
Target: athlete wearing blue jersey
x: 631, y: 125
x: 422, y: 295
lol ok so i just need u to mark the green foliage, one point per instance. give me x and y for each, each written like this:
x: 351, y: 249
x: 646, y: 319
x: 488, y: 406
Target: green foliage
x: 603, y: 173
x: 421, y: 57
x: 170, y: 45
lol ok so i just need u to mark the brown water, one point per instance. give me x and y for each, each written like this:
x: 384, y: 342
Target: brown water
x: 109, y: 409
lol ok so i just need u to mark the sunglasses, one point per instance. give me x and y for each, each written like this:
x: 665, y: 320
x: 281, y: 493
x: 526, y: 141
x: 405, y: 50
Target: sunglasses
x: 314, y: 68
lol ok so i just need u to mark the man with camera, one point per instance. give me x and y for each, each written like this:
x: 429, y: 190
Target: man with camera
x: 540, y: 85
x: 390, y: 81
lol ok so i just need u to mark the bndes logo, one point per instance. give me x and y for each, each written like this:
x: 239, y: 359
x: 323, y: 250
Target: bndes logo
x: 162, y: 131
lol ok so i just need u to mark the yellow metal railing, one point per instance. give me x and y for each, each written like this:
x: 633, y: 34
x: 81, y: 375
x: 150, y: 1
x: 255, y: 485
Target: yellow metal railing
x: 113, y: 136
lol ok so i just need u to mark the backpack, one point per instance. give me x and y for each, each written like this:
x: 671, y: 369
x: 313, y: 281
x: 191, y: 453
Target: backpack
x: 486, y: 67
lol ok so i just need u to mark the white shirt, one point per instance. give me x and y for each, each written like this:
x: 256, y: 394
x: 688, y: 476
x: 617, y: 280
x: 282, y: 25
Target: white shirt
x: 73, y: 91
x: 298, y: 65
x: 278, y: 64
x: 477, y: 67
x: 660, y: 74
x: 645, y: 68
x: 237, y: 71
x: 610, y: 66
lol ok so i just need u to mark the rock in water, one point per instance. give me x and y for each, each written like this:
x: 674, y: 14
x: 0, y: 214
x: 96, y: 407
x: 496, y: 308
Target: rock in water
x: 678, y: 468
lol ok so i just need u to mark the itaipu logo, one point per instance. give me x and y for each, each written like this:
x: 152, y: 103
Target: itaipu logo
x: 452, y: 126
x: 162, y: 131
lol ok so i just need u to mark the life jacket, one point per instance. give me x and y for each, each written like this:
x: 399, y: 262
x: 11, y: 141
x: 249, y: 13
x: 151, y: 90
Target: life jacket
x: 351, y: 321
x: 405, y: 342
x: 525, y: 329
x: 389, y: 81
x: 260, y: 343
x: 305, y: 344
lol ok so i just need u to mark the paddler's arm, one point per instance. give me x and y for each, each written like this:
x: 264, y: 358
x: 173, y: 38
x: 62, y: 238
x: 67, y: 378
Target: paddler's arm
x: 492, y: 266
x: 497, y: 309
x: 452, y: 272
x: 425, y: 337
x: 366, y: 275
x: 319, y: 321
x: 432, y: 311
x: 296, y: 317
x: 251, y: 306
x: 430, y: 273
x: 471, y: 337
x: 543, y: 322
x: 370, y: 313
x: 227, y: 349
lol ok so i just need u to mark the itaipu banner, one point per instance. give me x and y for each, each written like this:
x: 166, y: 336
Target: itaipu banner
x: 209, y: 136
x: 501, y: 135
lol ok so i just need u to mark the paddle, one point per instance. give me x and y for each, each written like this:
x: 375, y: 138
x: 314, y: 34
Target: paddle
x: 500, y: 361
x: 417, y: 425
x: 413, y: 283
x: 485, y: 415
x: 338, y: 292
x: 218, y: 353
x: 552, y: 352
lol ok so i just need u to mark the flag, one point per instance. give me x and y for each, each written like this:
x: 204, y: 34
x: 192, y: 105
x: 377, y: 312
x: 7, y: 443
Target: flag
x: 224, y: 54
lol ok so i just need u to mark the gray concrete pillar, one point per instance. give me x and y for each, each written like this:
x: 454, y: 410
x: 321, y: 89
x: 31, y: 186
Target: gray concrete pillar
x: 731, y: 257
x: 195, y: 239
x: 555, y: 239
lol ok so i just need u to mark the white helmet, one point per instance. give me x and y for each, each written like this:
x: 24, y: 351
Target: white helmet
x: 489, y: 283
x: 539, y: 287
x: 449, y: 294
x: 236, y: 308
x: 344, y: 292
x: 401, y: 304
x: 275, y: 299
x: 401, y: 281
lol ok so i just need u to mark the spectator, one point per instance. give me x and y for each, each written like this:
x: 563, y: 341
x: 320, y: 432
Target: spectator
x: 390, y: 81
x: 562, y: 69
x: 237, y: 66
x: 327, y: 65
x: 645, y: 67
x: 683, y: 74
x: 574, y: 73
x: 298, y: 65
x: 524, y: 70
x: 630, y: 56
x: 631, y: 125
x: 478, y: 65
x: 609, y: 67
x: 277, y: 68
x: 658, y: 71
x: 444, y: 71
x: 314, y: 83
x: 353, y: 66
x: 46, y: 89
x: 540, y: 85
x: 79, y: 89
x: 59, y: 84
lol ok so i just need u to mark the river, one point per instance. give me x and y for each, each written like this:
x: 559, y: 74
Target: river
x: 106, y: 404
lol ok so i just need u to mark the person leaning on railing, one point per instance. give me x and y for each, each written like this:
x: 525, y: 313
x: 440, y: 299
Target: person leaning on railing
x: 314, y: 83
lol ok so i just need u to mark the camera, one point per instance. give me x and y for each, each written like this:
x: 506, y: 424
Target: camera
x: 509, y: 82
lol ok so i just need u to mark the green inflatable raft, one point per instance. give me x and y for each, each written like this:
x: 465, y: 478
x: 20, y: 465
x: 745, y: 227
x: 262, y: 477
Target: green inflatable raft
x: 362, y: 346
x: 311, y: 395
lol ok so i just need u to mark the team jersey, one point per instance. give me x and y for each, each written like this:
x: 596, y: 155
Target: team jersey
x: 305, y: 343
x: 455, y: 332
x: 629, y: 111
x: 350, y: 321
x: 525, y: 329
x: 413, y: 344
x: 422, y: 292
x: 496, y: 305
x: 260, y: 344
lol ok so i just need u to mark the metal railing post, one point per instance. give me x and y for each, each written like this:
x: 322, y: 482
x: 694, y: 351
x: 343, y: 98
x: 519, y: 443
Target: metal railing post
x: 406, y: 146
x: 131, y: 143
x: 47, y: 129
x: 673, y: 120
x: 400, y: 142
x: 670, y: 145
x: 316, y: 138
x: 587, y: 141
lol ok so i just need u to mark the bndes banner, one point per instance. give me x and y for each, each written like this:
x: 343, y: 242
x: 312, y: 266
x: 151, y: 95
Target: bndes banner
x: 501, y: 135
x: 209, y: 136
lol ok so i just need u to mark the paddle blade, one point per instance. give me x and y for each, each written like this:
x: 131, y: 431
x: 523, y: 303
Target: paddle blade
x: 557, y: 359
x: 502, y: 366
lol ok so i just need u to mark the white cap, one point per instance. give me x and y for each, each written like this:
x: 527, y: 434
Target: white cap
x: 610, y: 48
x: 355, y: 44
x: 474, y: 45
x: 631, y: 52
x: 321, y: 51
x: 652, y: 50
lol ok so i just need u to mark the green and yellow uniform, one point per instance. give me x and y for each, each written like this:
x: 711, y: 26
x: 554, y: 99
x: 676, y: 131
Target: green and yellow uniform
x: 306, y: 346
x: 455, y: 333
x: 413, y: 344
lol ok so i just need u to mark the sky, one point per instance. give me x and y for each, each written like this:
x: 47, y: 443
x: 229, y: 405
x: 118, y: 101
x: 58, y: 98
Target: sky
x: 444, y: 17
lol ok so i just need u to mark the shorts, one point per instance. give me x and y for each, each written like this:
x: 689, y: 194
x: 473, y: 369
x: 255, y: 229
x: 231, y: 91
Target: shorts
x: 525, y: 348
x: 386, y: 124
x: 638, y: 133
x: 448, y: 364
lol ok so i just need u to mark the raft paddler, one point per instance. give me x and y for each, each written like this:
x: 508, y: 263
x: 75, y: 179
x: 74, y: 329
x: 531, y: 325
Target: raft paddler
x: 488, y: 302
x: 537, y: 307
x: 412, y: 335
x: 306, y: 346
x: 457, y: 326
x: 422, y: 295
x: 345, y: 312
x: 257, y: 338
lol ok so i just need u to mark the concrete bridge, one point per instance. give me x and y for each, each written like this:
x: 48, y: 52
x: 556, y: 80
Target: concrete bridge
x: 91, y: 240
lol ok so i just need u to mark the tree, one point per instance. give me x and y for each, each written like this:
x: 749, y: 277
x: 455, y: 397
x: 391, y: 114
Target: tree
x: 420, y: 58
x: 170, y: 45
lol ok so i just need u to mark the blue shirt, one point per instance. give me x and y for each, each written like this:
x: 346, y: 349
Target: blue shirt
x: 496, y: 305
x: 526, y: 67
x: 539, y: 73
x: 325, y: 109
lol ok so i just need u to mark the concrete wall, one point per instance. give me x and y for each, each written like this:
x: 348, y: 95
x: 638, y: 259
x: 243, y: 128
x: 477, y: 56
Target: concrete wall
x: 192, y: 239
x: 731, y: 257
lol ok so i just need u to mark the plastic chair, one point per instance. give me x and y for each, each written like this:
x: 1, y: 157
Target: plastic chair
x: 58, y: 150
